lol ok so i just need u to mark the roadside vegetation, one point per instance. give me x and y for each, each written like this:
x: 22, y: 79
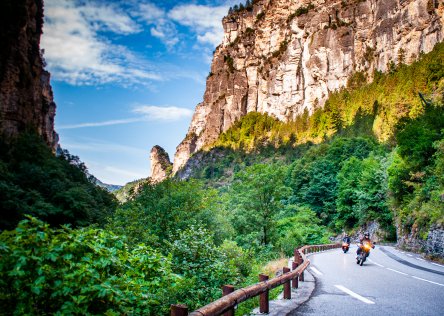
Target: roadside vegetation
x: 374, y: 153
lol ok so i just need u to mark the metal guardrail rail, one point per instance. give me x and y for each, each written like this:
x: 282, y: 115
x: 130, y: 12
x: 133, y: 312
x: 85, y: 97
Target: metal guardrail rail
x: 290, y: 278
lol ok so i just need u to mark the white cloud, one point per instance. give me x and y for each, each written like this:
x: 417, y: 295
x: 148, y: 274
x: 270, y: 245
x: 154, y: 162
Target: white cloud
x: 166, y: 33
x: 205, y: 21
x: 109, y: 18
x: 99, y: 124
x: 198, y: 16
x: 158, y: 113
x: 100, y: 146
x: 151, y: 13
x: 213, y: 38
x: 147, y: 113
x: 162, y: 27
x: 75, y: 52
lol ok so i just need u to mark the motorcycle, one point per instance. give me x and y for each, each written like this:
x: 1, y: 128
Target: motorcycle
x: 345, y: 247
x: 365, y: 251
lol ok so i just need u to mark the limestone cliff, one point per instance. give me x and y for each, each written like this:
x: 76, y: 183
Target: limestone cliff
x: 26, y: 99
x: 283, y: 57
x: 160, y: 164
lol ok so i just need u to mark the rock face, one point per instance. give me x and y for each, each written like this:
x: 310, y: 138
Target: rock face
x: 283, y: 57
x: 26, y: 99
x: 160, y: 164
x: 435, y: 242
x: 432, y: 246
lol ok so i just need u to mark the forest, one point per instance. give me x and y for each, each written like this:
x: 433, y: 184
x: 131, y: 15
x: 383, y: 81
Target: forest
x: 374, y: 153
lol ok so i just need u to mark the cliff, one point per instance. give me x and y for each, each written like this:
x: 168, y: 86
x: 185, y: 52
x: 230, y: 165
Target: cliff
x: 160, y: 164
x: 284, y: 57
x: 26, y: 98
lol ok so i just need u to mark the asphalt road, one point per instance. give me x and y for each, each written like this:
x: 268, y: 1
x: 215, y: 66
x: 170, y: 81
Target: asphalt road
x: 390, y: 282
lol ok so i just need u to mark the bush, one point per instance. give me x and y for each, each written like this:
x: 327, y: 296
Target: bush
x: 196, y: 257
x: 85, y: 271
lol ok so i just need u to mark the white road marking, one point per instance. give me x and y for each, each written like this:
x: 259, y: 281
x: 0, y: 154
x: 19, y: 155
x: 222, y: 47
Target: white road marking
x: 428, y: 281
x: 409, y: 255
x: 316, y: 271
x: 439, y: 265
x: 420, y: 259
x: 397, y: 271
x: 376, y: 263
x: 353, y: 294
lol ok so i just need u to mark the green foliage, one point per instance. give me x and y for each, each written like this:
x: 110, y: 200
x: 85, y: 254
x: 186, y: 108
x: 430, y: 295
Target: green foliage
x: 249, y: 132
x: 160, y: 210
x: 248, y: 6
x: 128, y: 191
x: 313, y: 178
x: 302, y: 228
x: 56, y: 189
x: 85, y: 271
x: 196, y: 258
x: 362, y: 192
x: 415, y: 137
x: 415, y: 176
x: 255, y: 200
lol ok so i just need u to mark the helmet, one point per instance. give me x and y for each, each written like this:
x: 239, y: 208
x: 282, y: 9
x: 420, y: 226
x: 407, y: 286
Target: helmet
x: 367, y: 234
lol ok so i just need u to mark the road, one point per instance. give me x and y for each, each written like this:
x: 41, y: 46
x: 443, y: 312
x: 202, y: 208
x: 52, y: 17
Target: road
x: 390, y: 282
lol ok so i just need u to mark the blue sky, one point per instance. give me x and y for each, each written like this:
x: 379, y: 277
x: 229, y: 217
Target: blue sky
x: 127, y: 75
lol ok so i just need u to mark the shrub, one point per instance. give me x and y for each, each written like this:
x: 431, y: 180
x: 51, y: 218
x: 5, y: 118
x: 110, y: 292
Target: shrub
x: 86, y: 271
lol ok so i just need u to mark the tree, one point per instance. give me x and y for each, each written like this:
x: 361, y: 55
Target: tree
x: 55, y: 189
x: 160, y: 210
x: 302, y: 228
x: 196, y: 258
x: 256, y: 199
x: 362, y: 192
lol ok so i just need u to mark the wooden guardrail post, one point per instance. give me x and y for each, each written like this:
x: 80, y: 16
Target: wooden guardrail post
x: 294, y: 282
x: 263, y: 298
x: 227, y: 289
x: 178, y: 310
x: 287, y: 288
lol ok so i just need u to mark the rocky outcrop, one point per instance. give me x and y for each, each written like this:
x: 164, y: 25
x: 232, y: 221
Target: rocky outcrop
x: 26, y: 99
x: 435, y: 242
x: 432, y: 246
x: 160, y: 164
x: 284, y: 57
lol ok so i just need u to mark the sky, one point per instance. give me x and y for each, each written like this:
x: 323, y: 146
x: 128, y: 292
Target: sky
x: 127, y: 75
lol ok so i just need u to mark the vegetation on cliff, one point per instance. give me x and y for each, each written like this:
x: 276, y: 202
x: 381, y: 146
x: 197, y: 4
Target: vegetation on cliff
x: 55, y: 189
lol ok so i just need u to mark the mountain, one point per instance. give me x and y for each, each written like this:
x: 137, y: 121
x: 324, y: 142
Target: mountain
x: 285, y: 58
x: 26, y: 98
x: 108, y: 187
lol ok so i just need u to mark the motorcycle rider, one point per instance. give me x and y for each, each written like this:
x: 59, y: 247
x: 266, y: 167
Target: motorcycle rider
x: 346, y: 239
x: 362, y: 240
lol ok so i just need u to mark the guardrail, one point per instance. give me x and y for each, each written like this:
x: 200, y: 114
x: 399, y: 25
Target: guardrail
x: 290, y: 278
